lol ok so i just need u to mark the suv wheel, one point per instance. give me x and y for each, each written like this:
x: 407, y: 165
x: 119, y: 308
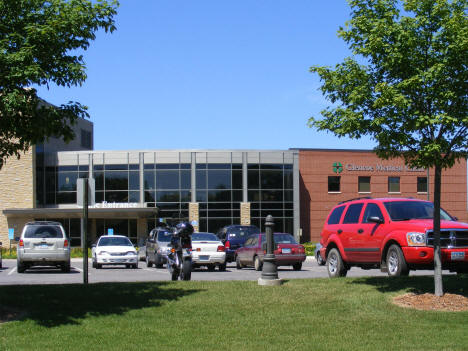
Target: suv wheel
x: 335, y: 264
x: 65, y: 268
x: 222, y: 267
x: 320, y: 260
x: 396, y: 263
x: 21, y: 267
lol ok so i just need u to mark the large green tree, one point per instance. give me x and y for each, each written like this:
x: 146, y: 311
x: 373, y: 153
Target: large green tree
x: 40, y: 44
x: 405, y: 86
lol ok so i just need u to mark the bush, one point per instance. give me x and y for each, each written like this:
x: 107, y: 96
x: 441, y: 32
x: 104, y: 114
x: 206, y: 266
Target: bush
x: 309, y: 248
x: 7, y: 253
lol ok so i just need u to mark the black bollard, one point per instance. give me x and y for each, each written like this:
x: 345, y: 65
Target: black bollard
x: 269, y: 271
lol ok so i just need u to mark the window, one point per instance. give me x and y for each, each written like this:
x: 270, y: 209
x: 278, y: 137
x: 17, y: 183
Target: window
x: 336, y: 215
x: 352, y: 215
x: 372, y: 210
x: 333, y: 184
x: 422, y: 184
x: 393, y: 184
x: 364, y: 184
x: 86, y: 139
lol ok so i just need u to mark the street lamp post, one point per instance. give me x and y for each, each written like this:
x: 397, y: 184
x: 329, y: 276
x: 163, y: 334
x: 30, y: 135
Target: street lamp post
x: 269, y: 270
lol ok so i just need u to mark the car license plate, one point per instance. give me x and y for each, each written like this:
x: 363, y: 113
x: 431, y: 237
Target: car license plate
x: 44, y: 246
x: 457, y: 256
x: 204, y: 258
x: 286, y: 250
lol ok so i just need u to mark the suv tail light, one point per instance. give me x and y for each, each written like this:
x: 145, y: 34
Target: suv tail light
x: 221, y: 248
x: 227, y: 245
x: 21, y: 243
x: 65, y: 243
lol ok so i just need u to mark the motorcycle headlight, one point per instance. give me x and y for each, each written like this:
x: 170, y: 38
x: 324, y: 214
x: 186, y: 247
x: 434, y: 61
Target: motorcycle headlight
x: 416, y: 239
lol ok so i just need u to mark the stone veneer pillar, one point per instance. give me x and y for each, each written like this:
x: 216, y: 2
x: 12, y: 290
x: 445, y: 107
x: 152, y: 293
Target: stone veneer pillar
x: 245, y: 213
x: 194, y: 215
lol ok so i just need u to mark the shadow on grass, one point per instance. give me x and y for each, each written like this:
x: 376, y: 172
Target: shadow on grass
x: 55, y: 305
x: 453, y: 284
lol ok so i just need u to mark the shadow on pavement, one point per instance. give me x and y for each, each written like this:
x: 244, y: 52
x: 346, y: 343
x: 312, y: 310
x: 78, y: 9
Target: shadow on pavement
x: 55, y: 305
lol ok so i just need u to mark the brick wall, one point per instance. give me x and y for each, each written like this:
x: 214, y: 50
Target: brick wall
x: 317, y: 165
x: 16, y: 191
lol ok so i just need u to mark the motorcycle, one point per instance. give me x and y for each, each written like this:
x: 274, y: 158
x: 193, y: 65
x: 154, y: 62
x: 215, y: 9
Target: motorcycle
x: 179, y: 259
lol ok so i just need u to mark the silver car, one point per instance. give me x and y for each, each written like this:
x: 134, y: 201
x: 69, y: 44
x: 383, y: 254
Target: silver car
x: 157, y: 247
x: 43, y: 244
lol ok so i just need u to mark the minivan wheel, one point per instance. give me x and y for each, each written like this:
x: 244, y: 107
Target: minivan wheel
x: 396, y: 263
x: 335, y: 264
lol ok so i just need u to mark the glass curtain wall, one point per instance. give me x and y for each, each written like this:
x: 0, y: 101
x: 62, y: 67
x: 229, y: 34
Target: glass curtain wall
x: 167, y: 186
x: 270, y: 191
x: 60, y: 183
x: 117, y: 182
x: 219, y: 194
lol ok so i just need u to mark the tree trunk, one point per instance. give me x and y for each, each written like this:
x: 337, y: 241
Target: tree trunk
x: 438, y: 288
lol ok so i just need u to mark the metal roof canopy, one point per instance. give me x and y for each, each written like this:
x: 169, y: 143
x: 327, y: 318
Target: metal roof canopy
x: 142, y: 212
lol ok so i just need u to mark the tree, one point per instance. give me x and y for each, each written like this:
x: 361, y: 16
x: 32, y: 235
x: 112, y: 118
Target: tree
x: 405, y: 86
x: 40, y: 42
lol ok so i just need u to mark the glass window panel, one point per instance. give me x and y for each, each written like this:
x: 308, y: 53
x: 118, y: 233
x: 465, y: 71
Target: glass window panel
x: 185, y: 166
x: 201, y: 179
x: 271, y: 166
x: 99, y: 196
x: 83, y: 174
x: 67, y: 181
x: 201, y: 196
x: 149, y: 196
x: 116, y: 167
x: 167, y: 166
x: 67, y: 168
x: 66, y: 197
x: 203, y: 213
x: 149, y: 179
x: 116, y: 180
x: 288, y: 179
x: 271, y: 179
x: 253, y: 195
x: 50, y: 180
x: 237, y: 179
x: 219, y: 179
x: 185, y: 180
x: 219, y: 205
x: 272, y: 205
x: 173, y: 207
x: 236, y: 213
x: 219, y: 196
x: 289, y: 225
x: 393, y: 184
x: 288, y: 166
x: 134, y: 180
x: 167, y: 179
x: 274, y: 213
x: 289, y: 213
x: 184, y: 206
x: 116, y: 196
x: 364, y: 184
x: 219, y: 213
x: 237, y: 166
x: 134, y: 196
x: 50, y: 198
x: 98, y: 167
x: 219, y: 166
x: 83, y: 168
x: 289, y: 205
x: 149, y: 166
x: 253, y: 179
x: 132, y: 226
x: 185, y: 196
x: 253, y: 166
x: 333, y: 184
x: 237, y: 195
x: 272, y: 195
x: 167, y: 196
x: 99, y: 180
x: 422, y: 185
x: 353, y: 213
x: 201, y: 166
x: 134, y: 167
x: 203, y: 225
x: 216, y: 224
x: 288, y: 195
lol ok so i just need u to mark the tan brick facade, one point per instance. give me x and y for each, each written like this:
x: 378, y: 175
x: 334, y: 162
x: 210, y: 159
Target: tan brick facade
x: 16, y: 191
x: 245, y: 213
x: 317, y: 165
x: 194, y: 216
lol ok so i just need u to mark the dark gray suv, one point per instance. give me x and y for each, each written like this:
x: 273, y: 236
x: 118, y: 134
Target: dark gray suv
x: 233, y: 236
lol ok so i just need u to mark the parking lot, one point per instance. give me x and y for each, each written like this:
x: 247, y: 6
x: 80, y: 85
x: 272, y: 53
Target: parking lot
x: 48, y: 275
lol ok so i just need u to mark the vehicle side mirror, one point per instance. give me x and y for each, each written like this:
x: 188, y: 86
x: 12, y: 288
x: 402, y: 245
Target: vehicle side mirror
x: 376, y: 219
x: 93, y: 245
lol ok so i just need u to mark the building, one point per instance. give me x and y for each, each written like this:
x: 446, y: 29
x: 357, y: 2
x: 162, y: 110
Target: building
x: 135, y: 189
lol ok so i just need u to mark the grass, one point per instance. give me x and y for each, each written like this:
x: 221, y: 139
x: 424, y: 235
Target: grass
x: 314, y: 314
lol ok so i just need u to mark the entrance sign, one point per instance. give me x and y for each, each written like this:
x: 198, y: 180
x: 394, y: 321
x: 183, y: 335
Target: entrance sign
x: 11, y: 233
x: 110, y: 231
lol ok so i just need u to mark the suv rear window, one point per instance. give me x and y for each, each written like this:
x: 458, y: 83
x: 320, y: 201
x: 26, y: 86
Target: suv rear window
x: 164, y: 236
x: 240, y: 232
x: 43, y: 231
x: 336, y: 215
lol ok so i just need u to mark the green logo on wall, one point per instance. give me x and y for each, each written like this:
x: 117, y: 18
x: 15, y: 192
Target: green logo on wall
x: 337, y: 167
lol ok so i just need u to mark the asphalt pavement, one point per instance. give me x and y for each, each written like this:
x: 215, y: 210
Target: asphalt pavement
x: 47, y: 275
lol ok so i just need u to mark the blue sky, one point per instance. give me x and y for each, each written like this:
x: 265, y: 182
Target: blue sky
x: 211, y: 74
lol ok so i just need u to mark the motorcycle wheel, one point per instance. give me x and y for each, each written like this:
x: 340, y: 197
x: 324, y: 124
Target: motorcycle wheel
x: 174, y: 274
x: 186, y: 270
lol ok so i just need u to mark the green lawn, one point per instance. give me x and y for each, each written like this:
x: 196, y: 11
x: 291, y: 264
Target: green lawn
x: 315, y: 314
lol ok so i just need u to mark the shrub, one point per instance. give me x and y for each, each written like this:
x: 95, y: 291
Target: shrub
x: 309, y: 248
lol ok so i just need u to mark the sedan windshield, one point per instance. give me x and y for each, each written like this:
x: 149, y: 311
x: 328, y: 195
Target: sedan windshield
x: 115, y: 241
x: 406, y: 210
x: 204, y: 237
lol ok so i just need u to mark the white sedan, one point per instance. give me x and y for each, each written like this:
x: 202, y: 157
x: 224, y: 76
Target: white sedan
x: 114, y: 249
x: 209, y: 251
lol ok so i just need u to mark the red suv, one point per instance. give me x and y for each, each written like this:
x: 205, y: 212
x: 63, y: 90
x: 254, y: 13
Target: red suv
x: 393, y: 234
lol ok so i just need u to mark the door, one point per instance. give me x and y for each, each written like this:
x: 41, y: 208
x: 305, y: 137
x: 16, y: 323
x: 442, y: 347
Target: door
x: 350, y: 231
x: 370, y: 234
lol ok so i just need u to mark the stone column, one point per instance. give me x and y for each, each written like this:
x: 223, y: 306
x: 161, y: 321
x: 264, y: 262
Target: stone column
x: 194, y: 216
x: 245, y: 213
